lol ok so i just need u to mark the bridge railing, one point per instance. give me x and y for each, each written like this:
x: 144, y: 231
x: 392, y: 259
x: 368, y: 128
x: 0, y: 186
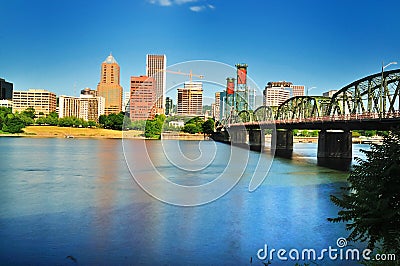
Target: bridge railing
x: 337, y: 118
x: 322, y: 119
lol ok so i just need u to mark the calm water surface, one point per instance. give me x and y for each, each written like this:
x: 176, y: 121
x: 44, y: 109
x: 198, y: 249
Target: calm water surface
x: 61, y: 197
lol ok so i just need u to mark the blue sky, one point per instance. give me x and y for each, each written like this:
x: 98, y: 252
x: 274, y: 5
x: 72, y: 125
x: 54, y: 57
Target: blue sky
x: 54, y: 44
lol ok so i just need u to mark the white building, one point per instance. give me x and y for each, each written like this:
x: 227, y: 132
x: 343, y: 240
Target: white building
x: 86, y: 107
x: 127, y: 96
x: 43, y: 101
x: 190, y: 99
x: 6, y: 103
x: 176, y: 123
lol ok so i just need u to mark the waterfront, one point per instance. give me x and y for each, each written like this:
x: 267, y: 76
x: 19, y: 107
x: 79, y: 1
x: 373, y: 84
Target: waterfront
x: 62, y: 197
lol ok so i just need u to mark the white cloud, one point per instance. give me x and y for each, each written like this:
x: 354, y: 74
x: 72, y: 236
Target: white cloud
x: 161, y: 2
x: 197, y: 8
x: 180, y: 2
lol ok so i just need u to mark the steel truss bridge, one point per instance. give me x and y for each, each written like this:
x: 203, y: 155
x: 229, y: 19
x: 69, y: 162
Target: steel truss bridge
x: 372, y: 102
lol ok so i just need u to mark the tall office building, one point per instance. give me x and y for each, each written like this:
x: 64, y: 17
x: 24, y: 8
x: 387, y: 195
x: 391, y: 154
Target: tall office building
x: 251, y: 98
x: 6, y: 90
x: 190, y: 99
x: 297, y: 90
x: 329, y: 93
x: 143, y: 98
x: 275, y: 93
x: 222, y: 105
x: 127, y: 96
x: 109, y: 86
x: 258, y: 101
x: 43, y: 101
x: 87, y: 107
x: 156, y: 67
x: 216, y: 106
x: 88, y: 91
x: 169, y: 105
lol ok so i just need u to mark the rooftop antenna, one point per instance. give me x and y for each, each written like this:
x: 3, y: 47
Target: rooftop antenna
x: 75, y: 89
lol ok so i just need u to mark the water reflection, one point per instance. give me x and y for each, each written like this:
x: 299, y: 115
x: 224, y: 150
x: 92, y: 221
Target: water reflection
x: 78, y: 198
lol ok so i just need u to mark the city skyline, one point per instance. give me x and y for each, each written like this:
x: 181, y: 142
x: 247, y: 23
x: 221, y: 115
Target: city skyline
x: 322, y: 45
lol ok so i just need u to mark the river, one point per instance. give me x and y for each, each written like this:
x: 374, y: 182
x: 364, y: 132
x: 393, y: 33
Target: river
x: 77, y: 198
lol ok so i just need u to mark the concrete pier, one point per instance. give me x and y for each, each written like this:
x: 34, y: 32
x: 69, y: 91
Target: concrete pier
x: 335, y: 144
x: 256, y: 139
x: 335, y: 149
x: 282, y: 142
x: 238, y: 137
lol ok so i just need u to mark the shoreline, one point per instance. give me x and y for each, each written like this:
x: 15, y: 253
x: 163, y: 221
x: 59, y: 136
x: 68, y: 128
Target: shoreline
x: 101, y: 133
x: 70, y: 132
x: 94, y: 133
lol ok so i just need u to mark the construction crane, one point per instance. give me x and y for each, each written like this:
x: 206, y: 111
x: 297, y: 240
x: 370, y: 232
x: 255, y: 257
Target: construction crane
x: 190, y: 74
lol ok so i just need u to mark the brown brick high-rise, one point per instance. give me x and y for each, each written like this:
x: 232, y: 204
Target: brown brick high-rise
x: 109, y: 86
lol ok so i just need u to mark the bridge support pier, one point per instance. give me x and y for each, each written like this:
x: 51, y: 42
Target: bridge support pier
x: 335, y: 148
x: 282, y: 142
x: 256, y: 139
x: 238, y: 137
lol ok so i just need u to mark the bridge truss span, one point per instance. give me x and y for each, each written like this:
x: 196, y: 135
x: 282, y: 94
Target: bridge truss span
x: 375, y: 96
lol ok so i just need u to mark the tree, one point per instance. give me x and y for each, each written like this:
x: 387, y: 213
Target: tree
x: 138, y: 125
x: 52, y: 119
x: 4, y: 111
x: 13, y: 124
x: 29, y: 112
x: 370, y: 205
x: 66, y: 122
x: 92, y: 123
x: 154, y: 127
x: 208, y: 126
x: 102, y: 120
x: 191, y: 128
x: 194, y: 125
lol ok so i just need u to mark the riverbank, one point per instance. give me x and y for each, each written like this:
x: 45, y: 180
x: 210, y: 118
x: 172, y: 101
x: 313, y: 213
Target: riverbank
x: 71, y: 132
x: 184, y: 136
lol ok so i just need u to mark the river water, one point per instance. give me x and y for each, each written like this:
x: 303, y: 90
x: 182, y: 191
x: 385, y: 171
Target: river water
x: 77, y: 197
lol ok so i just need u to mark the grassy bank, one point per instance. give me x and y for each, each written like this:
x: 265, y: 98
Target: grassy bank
x: 62, y: 132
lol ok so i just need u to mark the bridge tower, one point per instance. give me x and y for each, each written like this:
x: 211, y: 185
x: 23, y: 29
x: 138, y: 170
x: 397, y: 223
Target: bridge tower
x: 242, y: 91
x: 230, y: 97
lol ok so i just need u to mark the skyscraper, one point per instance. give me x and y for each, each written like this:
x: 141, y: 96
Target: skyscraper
x: 156, y: 68
x: 6, y: 90
x: 142, y: 98
x: 190, y: 99
x: 109, y: 86
x: 169, y: 105
x: 216, y: 106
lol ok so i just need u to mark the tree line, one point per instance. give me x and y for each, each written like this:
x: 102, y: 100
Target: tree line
x: 14, y: 122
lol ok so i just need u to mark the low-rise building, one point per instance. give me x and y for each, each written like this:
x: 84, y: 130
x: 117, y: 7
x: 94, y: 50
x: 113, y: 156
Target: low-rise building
x: 43, y: 101
x: 6, y: 103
